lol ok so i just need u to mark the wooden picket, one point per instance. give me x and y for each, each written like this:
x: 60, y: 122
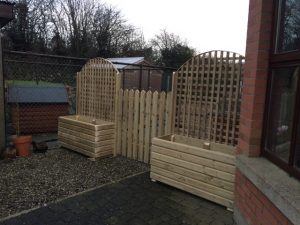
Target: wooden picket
x: 142, y: 116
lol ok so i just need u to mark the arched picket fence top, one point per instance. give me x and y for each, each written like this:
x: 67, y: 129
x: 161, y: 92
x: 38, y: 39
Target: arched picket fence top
x: 96, y: 89
x: 207, y: 94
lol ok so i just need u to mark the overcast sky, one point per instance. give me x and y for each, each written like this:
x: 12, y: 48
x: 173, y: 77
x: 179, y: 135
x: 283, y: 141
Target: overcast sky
x: 205, y: 24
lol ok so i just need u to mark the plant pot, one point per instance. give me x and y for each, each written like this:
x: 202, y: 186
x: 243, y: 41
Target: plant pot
x: 23, y: 145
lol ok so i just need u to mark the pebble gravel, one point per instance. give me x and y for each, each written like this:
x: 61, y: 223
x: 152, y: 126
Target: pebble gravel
x: 34, y: 181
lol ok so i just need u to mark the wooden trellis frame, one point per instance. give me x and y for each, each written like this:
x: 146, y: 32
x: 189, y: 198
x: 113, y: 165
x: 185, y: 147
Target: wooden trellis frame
x: 208, y: 94
x: 92, y: 131
x: 96, y: 90
x: 199, y: 157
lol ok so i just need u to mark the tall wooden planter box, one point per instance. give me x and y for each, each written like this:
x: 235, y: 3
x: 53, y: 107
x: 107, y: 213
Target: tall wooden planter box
x: 193, y: 165
x: 93, y: 138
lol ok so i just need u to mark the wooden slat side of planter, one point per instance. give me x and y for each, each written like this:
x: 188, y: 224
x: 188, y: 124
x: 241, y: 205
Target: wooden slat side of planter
x: 93, y: 144
x: 184, y: 148
x: 107, y: 135
x: 214, y: 182
x: 194, y: 167
x: 85, y: 152
x: 77, y: 129
x: 93, y: 140
x: 206, y: 173
x: 192, y: 190
x: 86, y: 122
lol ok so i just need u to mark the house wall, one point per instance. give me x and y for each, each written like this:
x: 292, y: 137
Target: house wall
x: 254, y: 206
x: 255, y: 76
x: 251, y: 205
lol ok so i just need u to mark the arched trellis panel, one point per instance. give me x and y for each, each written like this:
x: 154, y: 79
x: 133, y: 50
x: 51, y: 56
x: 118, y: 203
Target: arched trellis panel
x: 208, y: 93
x: 92, y: 131
x: 96, y: 89
x: 199, y: 155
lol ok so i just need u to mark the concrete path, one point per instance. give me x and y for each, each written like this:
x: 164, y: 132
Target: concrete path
x: 132, y: 201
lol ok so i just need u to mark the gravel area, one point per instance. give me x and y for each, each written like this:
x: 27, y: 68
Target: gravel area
x: 41, y: 178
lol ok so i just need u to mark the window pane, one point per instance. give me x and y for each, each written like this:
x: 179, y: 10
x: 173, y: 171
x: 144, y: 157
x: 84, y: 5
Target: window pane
x: 288, y: 26
x: 280, y: 111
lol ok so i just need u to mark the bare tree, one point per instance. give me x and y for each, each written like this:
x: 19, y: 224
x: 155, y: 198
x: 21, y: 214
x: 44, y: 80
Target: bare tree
x: 111, y: 31
x: 29, y: 31
x: 166, y: 40
x: 82, y: 28
x: 79, y: 16
x: 170, y: 50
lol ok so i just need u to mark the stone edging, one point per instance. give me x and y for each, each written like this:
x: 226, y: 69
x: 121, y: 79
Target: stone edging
x: 281, y: 189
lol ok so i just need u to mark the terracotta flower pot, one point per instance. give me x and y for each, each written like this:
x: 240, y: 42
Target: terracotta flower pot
x: 23, y: 145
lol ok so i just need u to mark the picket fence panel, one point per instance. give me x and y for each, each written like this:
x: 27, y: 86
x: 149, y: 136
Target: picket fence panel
x: 141, y: 116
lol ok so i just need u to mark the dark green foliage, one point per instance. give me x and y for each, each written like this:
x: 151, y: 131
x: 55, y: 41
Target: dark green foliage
x: 170, y: 50
x: 176, y: 56
x: 58, y: 45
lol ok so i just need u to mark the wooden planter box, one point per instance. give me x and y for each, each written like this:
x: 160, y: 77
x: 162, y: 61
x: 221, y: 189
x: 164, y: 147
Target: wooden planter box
x: 81, y: 134
x: 195, y: 166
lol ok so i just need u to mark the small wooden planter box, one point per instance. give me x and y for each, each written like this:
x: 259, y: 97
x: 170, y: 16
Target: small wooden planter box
x: 184, y: 163
x: 82, y: 134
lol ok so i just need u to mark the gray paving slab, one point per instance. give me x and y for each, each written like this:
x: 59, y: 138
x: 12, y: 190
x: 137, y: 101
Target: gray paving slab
x: 133, y: 201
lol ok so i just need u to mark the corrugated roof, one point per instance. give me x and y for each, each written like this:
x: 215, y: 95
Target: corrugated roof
x: 36, y: 94
x: 131, y: 60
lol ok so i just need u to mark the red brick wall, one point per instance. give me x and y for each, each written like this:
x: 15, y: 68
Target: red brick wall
x: 255, y: 76
x: 254, y: 206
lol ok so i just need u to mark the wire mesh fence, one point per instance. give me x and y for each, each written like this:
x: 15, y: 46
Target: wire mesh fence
x: 39, y: 88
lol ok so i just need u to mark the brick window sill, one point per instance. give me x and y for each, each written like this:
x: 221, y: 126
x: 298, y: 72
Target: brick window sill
x: 280, y: 188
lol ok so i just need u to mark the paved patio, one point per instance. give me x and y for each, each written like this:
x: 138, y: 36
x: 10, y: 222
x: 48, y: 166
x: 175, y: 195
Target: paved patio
x: 132, y: 201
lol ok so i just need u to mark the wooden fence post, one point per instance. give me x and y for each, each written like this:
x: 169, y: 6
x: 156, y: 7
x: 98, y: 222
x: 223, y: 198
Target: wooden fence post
x: 174, y: 90
x: 141, y: 127
x: 136, y: 124
x: 124, y: 127
x: 119, y: 123
x: 147, y: 126
x: 117, y: 103
x: 130, y: 123
x: 169, y: 109
x: 161, y: 114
